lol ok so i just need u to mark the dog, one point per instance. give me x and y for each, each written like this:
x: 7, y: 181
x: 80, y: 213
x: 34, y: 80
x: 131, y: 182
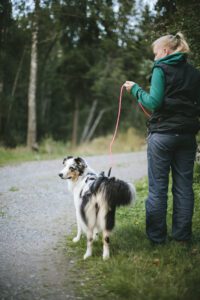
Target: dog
x: 96, y: 197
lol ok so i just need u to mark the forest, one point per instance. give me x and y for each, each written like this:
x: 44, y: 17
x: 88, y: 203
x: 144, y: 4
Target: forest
x: 62, y: 63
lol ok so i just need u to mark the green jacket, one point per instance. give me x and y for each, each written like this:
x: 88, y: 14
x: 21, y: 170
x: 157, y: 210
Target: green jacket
x: 154, y: 98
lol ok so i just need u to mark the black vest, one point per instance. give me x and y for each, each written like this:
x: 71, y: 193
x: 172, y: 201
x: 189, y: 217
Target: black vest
x: 179, y: 112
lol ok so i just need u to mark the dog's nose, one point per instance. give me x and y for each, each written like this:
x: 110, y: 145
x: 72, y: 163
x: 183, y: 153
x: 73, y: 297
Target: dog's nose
x: 61, y: 175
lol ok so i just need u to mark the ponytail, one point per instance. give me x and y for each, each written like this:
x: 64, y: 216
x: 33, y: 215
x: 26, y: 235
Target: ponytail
x: 179, y: 43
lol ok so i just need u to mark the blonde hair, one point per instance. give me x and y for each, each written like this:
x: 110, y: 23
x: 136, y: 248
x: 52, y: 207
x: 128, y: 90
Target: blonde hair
x: 177, y: 42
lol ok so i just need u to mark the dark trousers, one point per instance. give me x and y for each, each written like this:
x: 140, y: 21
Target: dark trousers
x: 175, y: 152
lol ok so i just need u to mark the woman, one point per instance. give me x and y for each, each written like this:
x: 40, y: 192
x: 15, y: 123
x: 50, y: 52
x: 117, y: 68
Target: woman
x: 174, y: 100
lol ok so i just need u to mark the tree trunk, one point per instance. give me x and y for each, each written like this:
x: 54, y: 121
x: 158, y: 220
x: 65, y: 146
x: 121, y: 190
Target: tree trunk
x: 88, y: 122
x: 75, y: 123
x: 32, y: 118
x: 45, y: 97
x: 94, y: 126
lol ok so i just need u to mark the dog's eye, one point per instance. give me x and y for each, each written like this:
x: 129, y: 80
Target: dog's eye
x: 71, y: 169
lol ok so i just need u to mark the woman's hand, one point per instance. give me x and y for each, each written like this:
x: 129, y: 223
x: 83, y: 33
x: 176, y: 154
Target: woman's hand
x: 128, y: 85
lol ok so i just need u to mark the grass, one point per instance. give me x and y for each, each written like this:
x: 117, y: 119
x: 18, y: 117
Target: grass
x: 2, y: 214
x: 14, y: 189
x: 127, y: 141
x: 48, y: 149
x: 137, y: 269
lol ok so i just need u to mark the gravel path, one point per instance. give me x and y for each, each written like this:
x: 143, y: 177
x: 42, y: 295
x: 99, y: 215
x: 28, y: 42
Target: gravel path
x: 36, y: 215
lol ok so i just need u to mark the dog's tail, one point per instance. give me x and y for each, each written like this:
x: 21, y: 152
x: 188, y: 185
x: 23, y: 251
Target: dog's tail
x: 118, y: 192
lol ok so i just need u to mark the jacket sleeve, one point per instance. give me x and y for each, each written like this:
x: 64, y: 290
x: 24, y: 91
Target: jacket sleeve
x: 152, y: 100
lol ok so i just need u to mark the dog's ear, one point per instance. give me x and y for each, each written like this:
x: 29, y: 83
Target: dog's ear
x: 66, y: 158
x: 80, y: 164
x: 79, y: 161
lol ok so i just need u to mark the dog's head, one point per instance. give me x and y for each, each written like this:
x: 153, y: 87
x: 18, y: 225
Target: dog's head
x: 74, y: 167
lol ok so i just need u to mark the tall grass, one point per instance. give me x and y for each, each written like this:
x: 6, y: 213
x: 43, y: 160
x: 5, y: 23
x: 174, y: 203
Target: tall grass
x: 137, y: 269
x: 127, y: 141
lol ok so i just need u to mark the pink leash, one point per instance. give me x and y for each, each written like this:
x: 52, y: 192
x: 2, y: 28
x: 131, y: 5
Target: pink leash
x: 117, y: 124
x: 118, y: 117
x: 144, y: 110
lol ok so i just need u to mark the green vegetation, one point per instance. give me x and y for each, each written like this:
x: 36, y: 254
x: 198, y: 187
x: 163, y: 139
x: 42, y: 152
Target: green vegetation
x: 2, y: 214
x: 126, y: 141
x: 81, y: 59
x: 49, y: 149
x: 137, y: 269
x: 14, y: 189
x: 86, y: 50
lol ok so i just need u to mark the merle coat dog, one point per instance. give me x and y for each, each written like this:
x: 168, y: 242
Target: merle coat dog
x: 96, y: 198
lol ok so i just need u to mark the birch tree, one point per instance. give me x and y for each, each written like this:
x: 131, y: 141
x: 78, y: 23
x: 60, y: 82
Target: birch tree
x: 32, y: 117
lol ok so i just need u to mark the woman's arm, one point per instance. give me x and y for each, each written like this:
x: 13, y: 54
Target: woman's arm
x: 154, y: 98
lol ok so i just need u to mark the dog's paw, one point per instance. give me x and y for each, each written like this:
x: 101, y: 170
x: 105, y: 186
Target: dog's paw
x: 87, y: 254
x: 106, y: 253
x: 76, y: 239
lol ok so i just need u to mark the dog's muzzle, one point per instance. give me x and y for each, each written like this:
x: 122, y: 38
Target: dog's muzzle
x: 61, y: 176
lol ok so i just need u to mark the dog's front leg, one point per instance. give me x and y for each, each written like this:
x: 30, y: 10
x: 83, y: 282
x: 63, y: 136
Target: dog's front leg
x: 88, y: 252
x: 78, y: 236
x: 106, y: 240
